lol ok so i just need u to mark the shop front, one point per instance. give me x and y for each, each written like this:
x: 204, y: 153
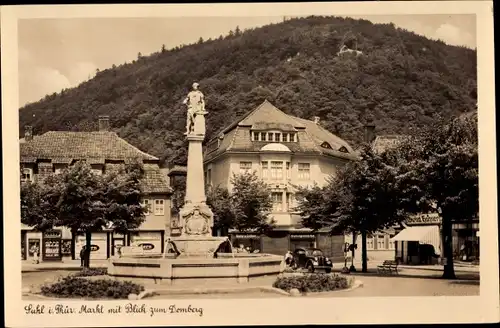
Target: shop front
x: 302, y: 240
x: 419, y: 243
x: 98, y: 248
x: 249, y: 241
x: 51, y: 245
x: 150, y: 241
x: 465, y: 237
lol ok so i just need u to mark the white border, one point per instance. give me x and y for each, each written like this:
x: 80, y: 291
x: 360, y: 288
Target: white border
x: 483, y: 308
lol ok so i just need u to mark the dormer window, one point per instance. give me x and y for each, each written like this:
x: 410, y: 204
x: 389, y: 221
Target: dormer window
x: 326, y: 145
x: 274, y: 136
x: 27, y: 175
x: 343, y: 150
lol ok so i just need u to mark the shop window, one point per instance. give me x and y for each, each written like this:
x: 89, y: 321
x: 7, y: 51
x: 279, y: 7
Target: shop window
x: 66, y: 247
x: 27, y: 175
x: 147, y: 204
x: 159, y: 207
x: 277, y: 198
x: 245, y: 167
x: 304, y: 171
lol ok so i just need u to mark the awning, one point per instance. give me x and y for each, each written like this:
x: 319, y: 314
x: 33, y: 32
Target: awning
x: 423, y: 234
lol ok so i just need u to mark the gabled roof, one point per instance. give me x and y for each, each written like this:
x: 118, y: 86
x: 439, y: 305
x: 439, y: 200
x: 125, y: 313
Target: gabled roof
x: 385, y: 142
x: 311, y: 136
x: 62, y: 147
x: 93, y: 146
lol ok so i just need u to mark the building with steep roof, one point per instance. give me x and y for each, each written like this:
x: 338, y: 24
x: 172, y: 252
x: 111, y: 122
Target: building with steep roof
x: 286, y: 152
x: 53, y: 151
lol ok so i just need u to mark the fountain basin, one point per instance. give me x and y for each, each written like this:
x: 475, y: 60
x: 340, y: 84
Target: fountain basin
x: 241, y: 268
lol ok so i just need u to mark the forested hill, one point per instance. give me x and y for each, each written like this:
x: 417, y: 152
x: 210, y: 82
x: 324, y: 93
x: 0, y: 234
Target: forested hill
x: 401, y: 81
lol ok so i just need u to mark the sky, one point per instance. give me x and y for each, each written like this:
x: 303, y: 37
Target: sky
x: 61, y: 53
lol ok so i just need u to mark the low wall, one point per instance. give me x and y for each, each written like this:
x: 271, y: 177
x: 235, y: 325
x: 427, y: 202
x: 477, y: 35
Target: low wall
x: 176, y: 271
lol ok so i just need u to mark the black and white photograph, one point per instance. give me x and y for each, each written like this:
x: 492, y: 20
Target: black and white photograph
x: 163, y: 162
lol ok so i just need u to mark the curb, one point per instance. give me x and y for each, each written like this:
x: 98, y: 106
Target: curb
x: 219, y: 290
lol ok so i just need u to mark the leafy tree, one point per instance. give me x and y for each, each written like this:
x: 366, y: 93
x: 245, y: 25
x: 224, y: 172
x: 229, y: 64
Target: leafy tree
x: 445, y: 160
x: 219, y: 199
x: 163, y: 48
x: 246, y: 207
x: 86, y: 202
x: 251, y: 198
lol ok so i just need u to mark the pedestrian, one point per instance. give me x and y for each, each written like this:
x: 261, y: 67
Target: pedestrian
x: 288, y: 258
x: 82, y: 256
x: 35, y: 250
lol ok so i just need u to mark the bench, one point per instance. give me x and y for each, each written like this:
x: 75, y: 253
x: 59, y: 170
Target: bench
x: 388, y: 267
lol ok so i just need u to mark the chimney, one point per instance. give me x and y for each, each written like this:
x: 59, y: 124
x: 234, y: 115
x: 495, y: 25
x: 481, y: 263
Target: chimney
x: 316, y: 119
x: 28, y: 133
x: 104, y: 123
x: 369, y: 133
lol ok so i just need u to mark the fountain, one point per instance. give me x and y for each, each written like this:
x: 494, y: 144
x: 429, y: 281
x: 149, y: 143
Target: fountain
x: 195, y: 254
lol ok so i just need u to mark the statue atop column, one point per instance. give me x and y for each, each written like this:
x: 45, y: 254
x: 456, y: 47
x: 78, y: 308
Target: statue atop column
x: 195, y: 102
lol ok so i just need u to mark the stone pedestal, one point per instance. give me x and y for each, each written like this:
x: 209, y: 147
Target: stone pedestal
x: 196, y: 217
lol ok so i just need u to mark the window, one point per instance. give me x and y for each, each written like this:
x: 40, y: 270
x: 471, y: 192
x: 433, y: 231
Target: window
x: 57, y: 171
x: 391, y: 242
x: 288, y: 170
x: 380, y: 242
x: 277, y: 137
x: 285, y: 137
x: 293, y: 137
x: 343, y: 149
x: 97, y: 171
x: 271, y: 136
x: 276, y: 170
x: 263, y: 136
x: 326, y: 145
x: 289, y: 202
x: 159, y: 207
x: 146, y: 203
x: 255, y: 136
x: 209, y: 176
x: 245, y: 167
x: 265, y: 170
x: 277, y: 198
x: 369, y: 242
x: 304, y: 171
x: 27, y: 175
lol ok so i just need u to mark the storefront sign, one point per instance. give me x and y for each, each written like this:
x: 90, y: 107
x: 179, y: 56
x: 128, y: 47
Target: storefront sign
x: 246, y: 236
x: 424, y: 219
x: 147, y: 246
x: 302, y: 236
x: 52, y: 234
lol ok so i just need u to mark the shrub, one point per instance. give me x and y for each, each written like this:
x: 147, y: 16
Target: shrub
x: 72, y: 286
x: 87, y: 272
x: 312, y: 282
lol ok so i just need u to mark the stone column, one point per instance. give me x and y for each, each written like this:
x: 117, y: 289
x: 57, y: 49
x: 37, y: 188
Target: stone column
x: 195, y: 180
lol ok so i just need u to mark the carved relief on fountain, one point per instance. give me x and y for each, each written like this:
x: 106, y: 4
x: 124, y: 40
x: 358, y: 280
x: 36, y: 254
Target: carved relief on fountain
x: 196, y: 220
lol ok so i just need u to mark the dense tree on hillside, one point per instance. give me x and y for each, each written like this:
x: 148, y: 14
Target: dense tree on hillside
x: 402, y: 79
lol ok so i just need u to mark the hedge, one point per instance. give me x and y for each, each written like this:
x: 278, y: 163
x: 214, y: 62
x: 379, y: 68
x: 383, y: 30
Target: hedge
x: 312, y: 282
